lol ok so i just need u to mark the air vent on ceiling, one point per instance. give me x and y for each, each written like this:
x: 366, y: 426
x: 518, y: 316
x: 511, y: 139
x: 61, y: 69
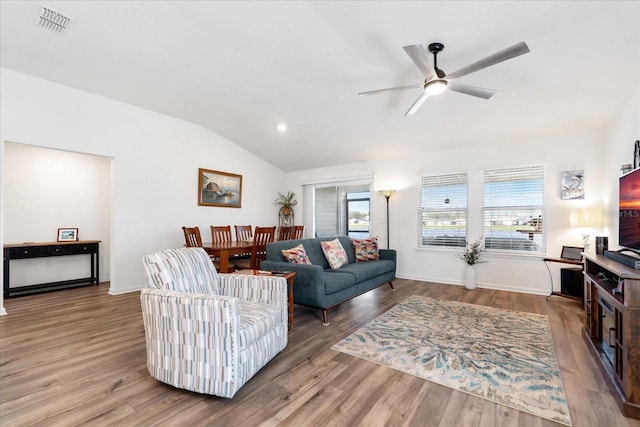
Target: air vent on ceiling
x: 52, y: 19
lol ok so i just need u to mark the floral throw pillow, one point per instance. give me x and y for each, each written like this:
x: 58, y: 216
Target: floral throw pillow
x: 366, y: 249
x: 334, y: 253
x: 296, y: 255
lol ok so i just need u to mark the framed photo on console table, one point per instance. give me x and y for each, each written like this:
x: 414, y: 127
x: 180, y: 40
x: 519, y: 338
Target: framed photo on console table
x: 67, y: 234
x: 221, y: 189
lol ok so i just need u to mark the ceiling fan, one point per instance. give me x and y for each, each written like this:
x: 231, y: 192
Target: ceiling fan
x: 437, y: 81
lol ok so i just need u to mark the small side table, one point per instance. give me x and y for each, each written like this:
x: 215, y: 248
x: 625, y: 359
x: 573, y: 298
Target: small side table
x: 289, y: 275
x: 562, y: 261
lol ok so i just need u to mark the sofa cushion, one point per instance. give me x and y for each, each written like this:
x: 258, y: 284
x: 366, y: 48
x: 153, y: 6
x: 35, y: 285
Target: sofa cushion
x: 366, y: 249
x: 256, y: 320
x: 363, y: 271
x: 334, y: 253
x: 337, y: 280
x: 296, y: 255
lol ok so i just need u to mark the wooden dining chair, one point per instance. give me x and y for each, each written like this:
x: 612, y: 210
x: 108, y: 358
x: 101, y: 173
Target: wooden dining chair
x: 193, y: 239
x: 261, y: 237
x: 243, y: 232
x: 299, y: 232
x: 221, y: 234
x: 287, y: 233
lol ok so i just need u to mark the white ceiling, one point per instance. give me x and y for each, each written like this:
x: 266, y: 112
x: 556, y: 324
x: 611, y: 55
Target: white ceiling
x: 240, y: 68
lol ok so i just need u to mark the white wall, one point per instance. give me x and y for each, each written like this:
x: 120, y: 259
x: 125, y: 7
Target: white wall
x: 580, y: 150
x: 620, y: 136
x: 155, y: 166
x: 47, y: 189
x: 155, y: 162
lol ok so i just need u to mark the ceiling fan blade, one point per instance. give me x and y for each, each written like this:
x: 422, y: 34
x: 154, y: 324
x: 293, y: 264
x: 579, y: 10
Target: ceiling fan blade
x: 417, y: 104
x: 508, y: 53
x: 374, y: 92
x: 480, y: 92
x: 418, y: 55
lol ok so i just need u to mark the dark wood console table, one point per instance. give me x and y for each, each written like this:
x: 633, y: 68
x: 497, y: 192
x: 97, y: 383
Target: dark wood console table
x: 51, y: 249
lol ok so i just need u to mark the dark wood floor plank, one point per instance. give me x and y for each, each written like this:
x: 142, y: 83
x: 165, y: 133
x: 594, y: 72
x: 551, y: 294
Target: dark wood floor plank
x: 78, y: 357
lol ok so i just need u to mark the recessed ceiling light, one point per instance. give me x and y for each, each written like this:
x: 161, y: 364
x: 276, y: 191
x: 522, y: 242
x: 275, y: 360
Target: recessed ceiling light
x: 282, y: 127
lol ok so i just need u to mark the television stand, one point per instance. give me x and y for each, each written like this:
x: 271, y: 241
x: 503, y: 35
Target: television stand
x: 612, y: 327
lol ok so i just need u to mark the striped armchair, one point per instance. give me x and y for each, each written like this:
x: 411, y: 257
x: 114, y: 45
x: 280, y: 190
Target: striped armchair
x: 208, y: 332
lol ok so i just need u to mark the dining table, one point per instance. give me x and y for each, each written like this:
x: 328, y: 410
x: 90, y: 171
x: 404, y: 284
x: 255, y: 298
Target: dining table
x: 224, y: 250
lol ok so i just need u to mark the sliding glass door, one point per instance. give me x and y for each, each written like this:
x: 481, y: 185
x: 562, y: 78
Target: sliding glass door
x: 358, y: 211
x: 339, y: 209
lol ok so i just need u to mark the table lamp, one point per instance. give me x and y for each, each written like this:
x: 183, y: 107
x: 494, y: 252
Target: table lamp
x: 586, y: 219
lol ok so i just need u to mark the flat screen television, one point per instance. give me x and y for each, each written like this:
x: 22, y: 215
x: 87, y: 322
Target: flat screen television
x: 629, y: 208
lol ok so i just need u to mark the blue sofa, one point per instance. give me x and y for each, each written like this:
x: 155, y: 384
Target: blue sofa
x: 317, y: 285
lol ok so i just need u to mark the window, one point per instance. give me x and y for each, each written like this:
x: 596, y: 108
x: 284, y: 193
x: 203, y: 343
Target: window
x: 514, y: 209
x: 443, y: 210
x: 358, y: 214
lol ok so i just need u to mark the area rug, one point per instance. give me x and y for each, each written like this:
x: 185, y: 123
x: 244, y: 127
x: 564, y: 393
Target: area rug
x: 507, y: 357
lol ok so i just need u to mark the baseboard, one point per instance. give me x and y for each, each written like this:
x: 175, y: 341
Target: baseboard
x: 124, y: 291
x: 495, y: 286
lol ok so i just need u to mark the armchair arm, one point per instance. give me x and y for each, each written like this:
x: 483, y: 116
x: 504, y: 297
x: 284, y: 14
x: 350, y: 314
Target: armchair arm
x: 265, y: 289
x: 389, y: 254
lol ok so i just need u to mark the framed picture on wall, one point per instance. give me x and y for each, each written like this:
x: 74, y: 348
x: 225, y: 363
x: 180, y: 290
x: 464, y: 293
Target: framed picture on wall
x: 221, y: 189
x: 67, y: 234
x: 572, y: 185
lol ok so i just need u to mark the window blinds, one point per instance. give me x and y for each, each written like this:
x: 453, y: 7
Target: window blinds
x: 443, y: 210
x: 513, y: 209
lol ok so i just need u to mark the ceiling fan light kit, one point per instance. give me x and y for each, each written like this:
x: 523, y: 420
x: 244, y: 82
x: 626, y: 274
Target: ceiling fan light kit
x: 437, y: 81
x: 434, y: 87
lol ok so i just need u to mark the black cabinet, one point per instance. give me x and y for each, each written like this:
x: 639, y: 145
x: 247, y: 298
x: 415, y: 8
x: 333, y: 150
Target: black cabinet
x: 571, y: 282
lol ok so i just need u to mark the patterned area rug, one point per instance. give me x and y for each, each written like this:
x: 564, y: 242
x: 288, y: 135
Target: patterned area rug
x: 507, y: 357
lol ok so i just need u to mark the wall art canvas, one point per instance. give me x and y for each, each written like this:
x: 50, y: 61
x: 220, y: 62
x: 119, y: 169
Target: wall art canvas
x: 221, y: 189
x: 572, y: 185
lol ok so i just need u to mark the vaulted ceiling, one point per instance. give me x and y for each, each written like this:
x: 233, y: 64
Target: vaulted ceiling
x: 239, y: 68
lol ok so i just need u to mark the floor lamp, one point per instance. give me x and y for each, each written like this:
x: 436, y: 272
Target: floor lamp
x: 387, y: 194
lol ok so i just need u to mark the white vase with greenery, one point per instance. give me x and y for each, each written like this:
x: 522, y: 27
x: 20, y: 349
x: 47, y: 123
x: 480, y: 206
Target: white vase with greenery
x: 470, y: 279
x: 472, y: 255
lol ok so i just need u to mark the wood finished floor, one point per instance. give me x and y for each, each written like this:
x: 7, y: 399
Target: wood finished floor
x: 77, y: 357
